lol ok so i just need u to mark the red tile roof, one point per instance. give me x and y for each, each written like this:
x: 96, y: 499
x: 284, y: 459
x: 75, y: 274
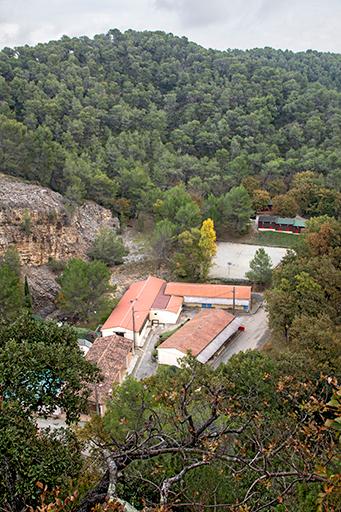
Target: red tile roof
x: 161, y: 300
x: 223, y: 291
x: 142, y: 294
x: 174, y: 304
x: 199, y: 332
x: 167, y: 302
x: 110, y: 354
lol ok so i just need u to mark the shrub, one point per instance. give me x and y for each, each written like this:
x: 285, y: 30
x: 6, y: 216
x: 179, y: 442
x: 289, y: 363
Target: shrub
x: 56, y: 266
x: 108, y: 247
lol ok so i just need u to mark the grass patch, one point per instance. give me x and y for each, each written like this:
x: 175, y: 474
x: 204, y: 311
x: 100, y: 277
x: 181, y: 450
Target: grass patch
x: 271, y: 238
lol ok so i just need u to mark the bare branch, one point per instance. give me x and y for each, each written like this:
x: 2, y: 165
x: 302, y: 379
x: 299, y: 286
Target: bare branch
x: 167, y: 484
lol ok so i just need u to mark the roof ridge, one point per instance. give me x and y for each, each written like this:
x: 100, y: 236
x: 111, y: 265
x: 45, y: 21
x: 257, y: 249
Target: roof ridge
x: 228, y: 316
x: 104, y: 351
x: 144, y: 284
x: 129, y: 310
x: 111, y: 341
x: 145, y: 281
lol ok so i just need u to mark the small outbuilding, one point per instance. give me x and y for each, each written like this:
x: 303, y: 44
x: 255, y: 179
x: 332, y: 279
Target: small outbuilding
x: 112, y: 355
x: 165, y: 309
x: 204, y: 337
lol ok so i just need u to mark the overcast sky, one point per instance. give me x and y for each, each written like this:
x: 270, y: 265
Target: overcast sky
x: 293, y: 24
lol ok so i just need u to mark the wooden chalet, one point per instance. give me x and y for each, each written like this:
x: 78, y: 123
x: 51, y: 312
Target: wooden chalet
x: 292, y: 225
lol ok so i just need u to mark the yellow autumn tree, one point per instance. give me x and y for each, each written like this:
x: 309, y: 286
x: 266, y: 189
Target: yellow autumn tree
x: 207, y: 246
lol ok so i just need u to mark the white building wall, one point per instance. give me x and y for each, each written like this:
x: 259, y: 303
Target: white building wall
x: 163, y: 316
x: 117, y: 330
x: 170, y: 356
x: 222, y: 302
x: 139, y: 337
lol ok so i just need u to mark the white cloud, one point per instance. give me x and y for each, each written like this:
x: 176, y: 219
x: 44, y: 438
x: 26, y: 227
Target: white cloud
x: 8, y: 32
x: 292, y: 24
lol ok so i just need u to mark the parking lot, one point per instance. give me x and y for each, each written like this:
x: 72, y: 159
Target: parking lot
x: 232, y: 260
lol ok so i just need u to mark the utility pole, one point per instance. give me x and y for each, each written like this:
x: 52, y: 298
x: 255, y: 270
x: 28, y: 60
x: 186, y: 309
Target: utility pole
x: 234, y: 299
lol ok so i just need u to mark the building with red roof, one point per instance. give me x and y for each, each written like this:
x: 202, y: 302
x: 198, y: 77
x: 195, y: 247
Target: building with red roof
x: 203, y: 336
x: 212, y: 295
x: 154, y: 301
x: 112, y: 355
x: 143, y: 303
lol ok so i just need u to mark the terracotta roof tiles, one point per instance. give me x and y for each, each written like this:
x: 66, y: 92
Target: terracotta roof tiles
x: 196, y: 334
x: 110, y: 354
x: 142, y: 294
x: 208, y: 290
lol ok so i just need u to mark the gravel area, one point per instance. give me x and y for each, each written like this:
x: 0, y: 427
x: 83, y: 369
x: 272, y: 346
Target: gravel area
x: 232, y: 260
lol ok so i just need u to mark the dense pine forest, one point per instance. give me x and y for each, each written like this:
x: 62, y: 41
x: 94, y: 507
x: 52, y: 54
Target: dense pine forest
x: 124, y: 116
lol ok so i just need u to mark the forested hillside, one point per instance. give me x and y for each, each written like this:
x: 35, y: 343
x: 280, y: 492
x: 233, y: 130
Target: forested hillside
x: 201, y: 139
x: 121, y: 117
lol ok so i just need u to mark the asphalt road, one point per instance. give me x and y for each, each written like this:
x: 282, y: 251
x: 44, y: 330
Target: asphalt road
x: 146, y: 366
x: 255, y: 335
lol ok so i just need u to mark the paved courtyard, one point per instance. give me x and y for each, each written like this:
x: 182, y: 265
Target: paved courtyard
x: 232, y: 260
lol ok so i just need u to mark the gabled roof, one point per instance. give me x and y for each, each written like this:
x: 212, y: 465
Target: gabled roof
x: 199, y: 332
x: 174, y: 304
x: 209, y: 291
x: 142, y: 295
x: 110, y: 355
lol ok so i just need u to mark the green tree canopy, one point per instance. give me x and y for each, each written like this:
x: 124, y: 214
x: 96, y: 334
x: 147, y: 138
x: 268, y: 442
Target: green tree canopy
x: 260, y: 268
x: 85, y: 290
x: 237, y: 209
x: 186, y: 427
x: 11, y: 287
x: 42, y: 367
x: 163, y: 240
x: 108, y: 247
x: 194, y: 252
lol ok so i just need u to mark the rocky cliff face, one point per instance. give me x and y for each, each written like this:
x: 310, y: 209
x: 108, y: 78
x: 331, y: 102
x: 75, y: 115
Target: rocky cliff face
x: 42, y: 224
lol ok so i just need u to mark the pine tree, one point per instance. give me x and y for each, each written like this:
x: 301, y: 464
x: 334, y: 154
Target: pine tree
x: 85, y: 289
x: 237, y: 209
x: 163, y: 240
x: 261, y: 268
x: 11, y: 295
x: 108, y: 247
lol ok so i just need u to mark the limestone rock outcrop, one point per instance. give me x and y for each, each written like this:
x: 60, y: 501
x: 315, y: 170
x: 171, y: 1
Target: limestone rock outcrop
x: 42, y: 224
